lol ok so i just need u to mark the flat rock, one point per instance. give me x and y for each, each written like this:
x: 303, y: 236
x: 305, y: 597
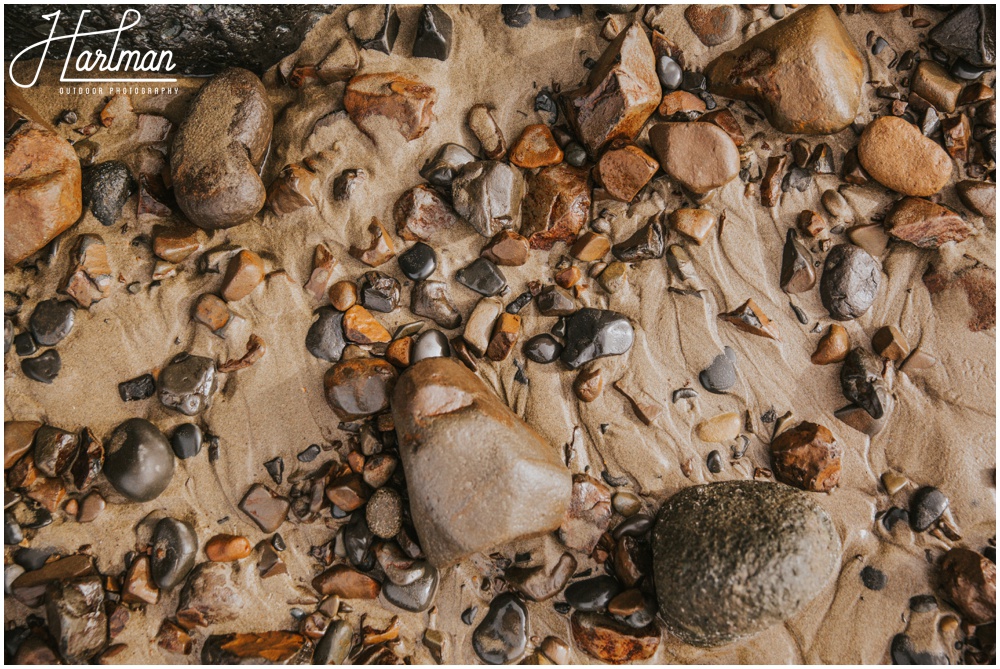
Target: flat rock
x: 609, y: 640
x: 804, y: 71
x: 359, y: 387
x: 731, y: 559
x: 488, y: 195
x: 713, y: 24
x: 390, y: 100
x: 187, y: 384
x: 596, y: 333
x: 211, y: 595
x: 925, y: 224
x: 420, y: 213
x: 256, y: 648
x: 897, y: 155
x: 479, y: 477
x: 699, y: 156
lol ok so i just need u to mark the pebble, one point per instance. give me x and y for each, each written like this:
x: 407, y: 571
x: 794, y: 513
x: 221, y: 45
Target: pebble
x: 488, y: 195
x: 346, y: 583
x: 931, y: 82
x: 359, y: 387
x: 187, y: 384
x: 669, y: 73
x: 890, y: 343
x: 694, y: 224
x: 925, y: 224
x: 850, y: 282
x: 601, y: 109
x: 874, y: 579
x: 926, y: 507
x: 139, y: 462
x: 479, y: 327
x: 556, y: 207
x: 750, y: 318
x: 8, y: 335
x: 970, y: 581
x: 832, y: 347
x: 923, y: 603
x: 176, y: 244
x: 91, y: 506
x: 106, y: 188
x: 418, y: 262
x: 140, y: 388
x: 861, y: 382
x: 713, y: 24
x: 807, y: 457
x: 434, y: 34
x: 719, y: 429
x: 595, y: 333
x: 542, y: 348
x: 258, y: 647
x: 421, y: 213
x: 502, y: 635
x: 624, y: 169
x: 576, y: 155
x: 506, y: 248
x: 174, y: 550
x: 589, y: 514
x: 721, y: 577
x: 720, y: 376
x: 482, y: 276
x: 227, y: 548
x: 499, y: 453
x: 325, y: 338
x: 588, y: 384
x: 417, y: 595
x: 903, y: 651
x: 430, y: 299
x: 54, y: 450
x: 592, y: 594
x: 555, y: 301
x: 610, y: 641
x: 813, y: 69
x: 797, y: 272
x: 429, y: 344
x: 75, y: 612
x: 540, y: 583
x: 677, y: 144
x: 645, y: 244
x: 404, y: 102
x: 335, y: 645
x: 361, y: 327
x: 264, y: 507
x: 88, y: 279
x: 714, y: 462
x: 516, y: 16
x: 441, y: 170
x: 51, y: 321
x: 897, y: 155
x: 384, y: 513
x: 590, y: 246
x: 379, y: 292
x: 186, y: 440
x: 536, y: 147
x: 979, y: 196
x: 309, y: 453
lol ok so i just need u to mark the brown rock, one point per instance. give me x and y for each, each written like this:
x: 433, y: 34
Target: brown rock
x: 48, y: 492
x: 54, y: 450
x: 42, y: 188
x: 346, y: 583
x: 749, y: 318
x: 536, y: 147
x: 812, y: 223
x: 568, y: 277
x: 210, y: 596
x: 970, y: 581
x: 227, y: 548
x: 957, y: 133
x: 89, y: 460
x: 588, y: 384
x: 588, y: 516
x: 244, y: 273
x: 541, y: 583
x: 175, y: 244
x: 797, y: 271
x: 932, y: 83
x: 341, y: 63
x: 556, y: 207
x: 482, y: 124
x: 76, y: 617
x: 890, y: 343
x: 607, y: 640
x: 292, y: 189
x: 172, y: 638
x: 29, y: 587
x: 420, y: 213
x: 398, y: 352
x: 805, y: 71
x: 380, y: 247
x: 211, y: 311
x: 138, y: 587
x: 506, y: 331
x: 18, y: 437
x: 347, y: 182
x: 91, y: 506
x: 713, y: 24
x: 695, y: 224
x: 699, y: 156
x: 620, y: 94
x: 348, y: 492
x: 925, y: 224
x: 265, y: 507
x: 256, y: 648
x: 897, y: 155
x: 624, y: 169
x: 979, y: 196
x: 390, y: 99
x: 832, y: 347
x: 361, y: 327
x: 808, y: 457
x: 323, y: 266
x: 770, y: 186
x: 89, y: 279
x: 343, y: 296
x: 680, y: 102
x: 590, y: 246
x: 360, y: 387
x: 506, y: 248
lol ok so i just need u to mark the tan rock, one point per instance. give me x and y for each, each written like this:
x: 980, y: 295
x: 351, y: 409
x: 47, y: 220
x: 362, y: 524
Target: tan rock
x: 211, y: 311
x: 805, y: 71
x: 623, y: 169
x: 727, y: 122
x: 323, y: 265
x: 807, y: 456
x: 138, y: 587
x: 719, y: 429
x: 588, y: 384
x: 620, y: 94
x: 243, y: 274
x: 479, y: 477
x: 713, y: 24
x: 420, y: 214
x: 484, y: 126
x: 361, y: 327
x: 398, y: 352
x: 588, y: 516
x: 932, y: 83
x: 227, y: 548
x: 506, y: 248
x: 695, y: 224
x: 536, y: 147
x: 871, y: 238
x: 479, y: 327
x: 390, y: 99
x: 770, y: 185
x: 89, y: 279
x: 506, y: 331
x: 292, y: 189
x: 569, y: 277
x: 343, y: 295
x: 380, y: 248
x: 832, y: 347
x: 699, y: 156
x: 979, y: 196
x: 925, y: 224
x: 957, y: 134
x: 556, y: 207
x: 890, y: 343
x: 18, y: 437
x: 590, y: 246
x: 897, y: 155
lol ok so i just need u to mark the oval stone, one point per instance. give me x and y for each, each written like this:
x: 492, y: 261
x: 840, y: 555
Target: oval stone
x: 175, y: 546
x: 139, y: 461
x: 897, y: 155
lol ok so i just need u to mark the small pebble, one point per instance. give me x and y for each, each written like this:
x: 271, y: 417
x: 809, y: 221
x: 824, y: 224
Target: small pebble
x: 186, y: 440
x: 715, y: 462
x: 874, y: 579
x: 51, y: 321
x: 309, y: 454
x: 430, y: 344
x: 418, y: 262
x: 542, y: 348
x: 44, y: 368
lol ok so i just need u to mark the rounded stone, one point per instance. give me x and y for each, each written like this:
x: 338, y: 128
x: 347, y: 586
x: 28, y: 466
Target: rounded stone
x: 335, y: 645
x: 175, y: 547
x: 720, y: 376
x: 325, y: 339
x: 429, y: 344
x: 503, y: 634
x: 417, y: 595
x: 139, y: 462
x: 542, y: 349
x: 51, y: 321
x: 733, y: 558
x: 669, y: 73
x: 851, y: 277
x: 384, y: 513
x: 186, y: 440
x: 43, y: 368
x: 187, y: 383
x: 699, y: 156
x: 418, y: 262
x: 897, y: 155
x: 592, y: 594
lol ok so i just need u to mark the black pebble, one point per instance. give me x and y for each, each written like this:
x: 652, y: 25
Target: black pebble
x: 519, y: 302
x: 32, y: 558
x: 385, y: 38
x: 51, y: 321
x: 482, y: 276
x: 309, y: 454
x: 693, y: 81
x: 45, y: 368
x: 903, y: 652
x: 24, y: 344
x: 434, y: 32
x: 928, y: 504
x: 546, y: 104
x: 502, y: 635
x: 893, y: 516
x: 419, y: 261
x: 139, y: 388
x: 358, y: 540
x: 542, y: 348
x: 275, y: 469
x: 879, y: 46
x: 12, y: 534
x: 278, y: 543
x: 923, y: 603
x: 106, y: 188
x: 715, y: 462
x: 592, y: 594
x: 874, y: 579
x: 213, y: 447
x: 175, y: 547
x: 516, y: 16
x: 139, y: 461
x: 186, y: 440
x: 469, y: 615
x: 379, y: 292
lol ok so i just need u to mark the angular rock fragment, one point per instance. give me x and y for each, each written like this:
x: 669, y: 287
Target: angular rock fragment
x: 970, y: 581
x: 360, y: 387
x: 484, y: 126
x: 434, y: 30
x: 256, y: 648
x: 536, y: 147
x: 925, y: 224
x: 609, y: 640
x: 106, y: 188
x: 556, y: 207
x: 588, y: 516
x: 750, y: 318
x: 645, y: 244
x: 850, y: 282
x: 292, y: 189
x: 441, y: 170
x: 807, y: 456
x: 430, y: 299
x: 390, y: 99
x: 380, y: 248
x: 862, y: 383
x: 243, y: 274
x: 797, y: 272
x: 375, y: 27
x: 488, y: 195
x: 420, y: 213
x: 187, y: 384
x: 624, y: 169
x: 76, y: 617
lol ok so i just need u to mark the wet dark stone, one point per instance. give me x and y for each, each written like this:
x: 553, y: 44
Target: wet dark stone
x: 861, y: 382
x: 51, y: 321
x: 385, y: 37
x: 278, y: 543
x: 502, y: 635
x: 441, y: 170
x: 309, y: 454
x: 416, y: 596
x: 555, y: 301
x: 519, y: 302
x: 204, y: 39
x: 140, y: 388
x: 358, y: 540
x: 879, y: 46
x: 12, y: 534
x: 186, y: 440
x: 483, y: 276
x: 893, y: 516
x: 275, y: 469
x: 8, y: 334
x: 850, y: 282
x: 903, y: 652
x: 187, y: 383
x: 175, y: 548
x: 24, y: 344
x: 720, y: 376
x: 595, y: 333
x: 714, y: 462
x: 542, y: 348
x: 635, y: 526
x: 575, y: 154
x: 139, y: 462
x: 961, y: 69
x: 325, y: 339
x: 430, y: 344
x: 77, y: 620
x: 44, y: 368
x: 335, y: 645
x: 546, y: 104
x: 32, y: 558
x: 557, y: 12
x: 797, y: 178
x: 592, y: 594
x: 970, y: 33
x: 379, y: 292
x: 693, y: 81
x: 874, y: 579
x: 106, y: 188
x: 469, y: 615
x: 923, y: 603
x: 669, y: 73
x: 645, y: 244
x: 31, y: 515
x: 419, y: 261
x: 928, y: 504
x: 516, y: 16
x: 54, y: 450
x: 434, y: 30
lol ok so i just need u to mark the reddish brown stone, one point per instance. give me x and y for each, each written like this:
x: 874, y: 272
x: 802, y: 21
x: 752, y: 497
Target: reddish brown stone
x: 398, y: 352
x: 832, y: 346
x: 890, y: 343
x: 725, y: 120
x: 506, y: 248
x: 323, y: 266
x: 227, y: 548
x: 588, y: 384
x: 29, y: 587
x: 292, y: 189
x: 506, y: 331
x: 264, y: 507
x: 624, y: 169
x: 346, y: 583
x: 536, y: 147
x: 380, y: 247
x: 211, y: 311
x: 89, y: 279
x: 925, y: 224
x: 568, y: 277
x: 811, y: 223
x: 173, y: 639
x: 407, y: 103
x: 343, y: 295
x: 256, y: 648
x: 47, y: 491
x: 482, y: 124
x: 361, y: 327
x: 590, y: 246
x: 244, y: 273
x: 969, y: 580
x: 556, y: 207
x: 677, y: 102
x: 360, y: 387
x: 695, y: 224
x: 89, y: 460
x: 808, y: 457
x: 256, y: 348
x: 348, y: 492
x: 770, y: 187
x: 610, y: 641
x: 420, y: 213
x: 18, y: 436
x: 176, y: 243
x: 620, y: 94
x: 957, y: 133
x: 138, y: 587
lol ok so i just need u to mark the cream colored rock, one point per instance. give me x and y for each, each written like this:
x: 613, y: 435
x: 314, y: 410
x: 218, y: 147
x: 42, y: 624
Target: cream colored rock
x: 719, y: 429
x: 479, y: 327
x: 897, y: 155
